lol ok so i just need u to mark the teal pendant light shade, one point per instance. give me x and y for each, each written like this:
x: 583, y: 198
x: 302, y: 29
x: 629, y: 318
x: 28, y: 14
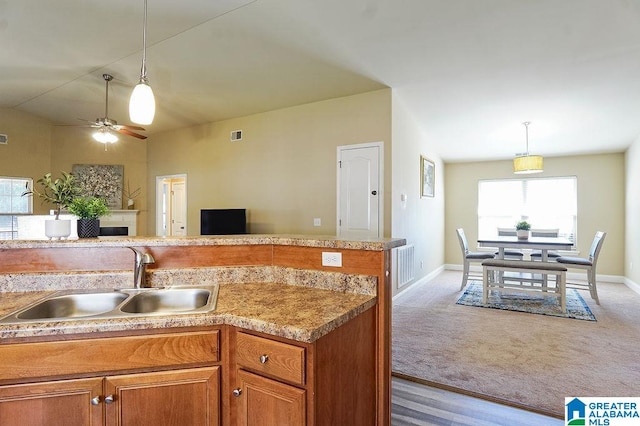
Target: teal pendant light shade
x: 142, y: 105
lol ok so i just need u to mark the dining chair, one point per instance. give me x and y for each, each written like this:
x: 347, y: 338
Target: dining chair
x: 510, y: 253
x: 545, y: 233
x: 468, y: 257
x: 588, y: 264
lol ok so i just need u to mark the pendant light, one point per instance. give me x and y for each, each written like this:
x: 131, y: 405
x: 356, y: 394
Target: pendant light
x: 142, y: 105
x: 526, y: 164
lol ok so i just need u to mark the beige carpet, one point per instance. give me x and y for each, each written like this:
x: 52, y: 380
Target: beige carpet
x: 528, y: 360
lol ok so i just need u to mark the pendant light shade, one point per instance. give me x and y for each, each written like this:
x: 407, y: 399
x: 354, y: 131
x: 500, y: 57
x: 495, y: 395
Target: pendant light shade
x: 142, y: 105
x: 526, y: 164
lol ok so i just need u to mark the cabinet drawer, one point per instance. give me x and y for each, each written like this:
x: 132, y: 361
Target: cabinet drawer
x: 276, y: 359
x: 72, y: 357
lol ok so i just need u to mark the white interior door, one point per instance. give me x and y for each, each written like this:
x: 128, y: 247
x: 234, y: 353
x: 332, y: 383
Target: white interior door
x: 360, y: 191
x: 178, y: 209
x: 171, y: 205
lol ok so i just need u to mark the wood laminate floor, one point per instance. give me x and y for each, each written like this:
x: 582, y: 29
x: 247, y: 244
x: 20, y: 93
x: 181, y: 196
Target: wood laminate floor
x: 413, y: 403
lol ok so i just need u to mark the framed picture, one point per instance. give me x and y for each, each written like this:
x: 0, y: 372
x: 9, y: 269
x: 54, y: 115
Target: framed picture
x: 427, y: 177
x: 104, y: 181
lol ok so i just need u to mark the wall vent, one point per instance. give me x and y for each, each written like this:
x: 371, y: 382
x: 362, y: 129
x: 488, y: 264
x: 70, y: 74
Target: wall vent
x: 3, y: 139
x: 405, y: 264
x: 236, y: 135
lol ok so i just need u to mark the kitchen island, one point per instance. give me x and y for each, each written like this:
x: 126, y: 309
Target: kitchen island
x: 275, y: 296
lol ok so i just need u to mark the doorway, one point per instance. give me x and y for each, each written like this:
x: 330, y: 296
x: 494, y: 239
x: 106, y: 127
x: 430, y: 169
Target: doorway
x: 360, y: 189
x: 171, y: 205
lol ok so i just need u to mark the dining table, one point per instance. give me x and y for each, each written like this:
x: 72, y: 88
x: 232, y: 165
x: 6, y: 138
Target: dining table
x: 544, y: 244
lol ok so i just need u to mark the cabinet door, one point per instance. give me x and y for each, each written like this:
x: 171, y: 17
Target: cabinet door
x: 59, y: 403
x: 169, y: 398
x: 266, y: 402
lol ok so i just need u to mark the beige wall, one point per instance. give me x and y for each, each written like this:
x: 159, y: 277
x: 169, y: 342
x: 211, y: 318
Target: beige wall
x: 284, y: 169
x: 632, y: 231
x: 28, y: 152
x: 73, y: 145
x: 419, y: 220
x: 601, y: 202
x: 36, y: 147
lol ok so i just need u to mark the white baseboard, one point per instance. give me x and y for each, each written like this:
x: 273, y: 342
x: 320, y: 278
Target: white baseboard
x: 424, y: 279
x: 632, y: 285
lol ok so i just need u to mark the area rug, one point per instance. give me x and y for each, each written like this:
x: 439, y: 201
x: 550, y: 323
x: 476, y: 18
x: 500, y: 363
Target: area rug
x: 528, y: 302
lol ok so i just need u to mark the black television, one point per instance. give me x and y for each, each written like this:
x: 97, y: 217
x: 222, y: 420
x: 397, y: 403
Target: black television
x: 223, y: 221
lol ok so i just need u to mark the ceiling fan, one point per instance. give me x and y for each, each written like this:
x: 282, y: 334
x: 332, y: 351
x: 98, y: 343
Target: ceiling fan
x: 107, y: 127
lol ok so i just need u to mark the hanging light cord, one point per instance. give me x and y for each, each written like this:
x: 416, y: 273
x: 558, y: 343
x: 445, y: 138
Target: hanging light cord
x: 526, y: 127
x: 143, y: 70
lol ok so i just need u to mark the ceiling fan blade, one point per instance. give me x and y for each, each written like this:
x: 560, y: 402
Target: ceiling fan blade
x: 129, y: 127
x: 130, y: 133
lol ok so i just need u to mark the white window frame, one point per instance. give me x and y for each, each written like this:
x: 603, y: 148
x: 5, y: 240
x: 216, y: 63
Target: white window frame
x: 523, y: 209
x: 17, y: 186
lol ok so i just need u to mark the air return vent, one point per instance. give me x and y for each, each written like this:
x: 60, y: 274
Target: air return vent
x: 236, y: 135
x: 3, y: 139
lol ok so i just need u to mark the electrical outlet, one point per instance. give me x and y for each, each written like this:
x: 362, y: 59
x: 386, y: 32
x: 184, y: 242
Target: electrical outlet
x: 317, y: 221
x: 331, y: 259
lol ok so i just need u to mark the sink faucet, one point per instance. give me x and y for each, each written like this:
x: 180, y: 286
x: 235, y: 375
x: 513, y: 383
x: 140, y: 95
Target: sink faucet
x: 140, y: 268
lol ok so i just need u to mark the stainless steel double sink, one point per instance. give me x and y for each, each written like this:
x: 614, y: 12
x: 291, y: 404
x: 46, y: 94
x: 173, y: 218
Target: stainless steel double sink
x: 117, y: 303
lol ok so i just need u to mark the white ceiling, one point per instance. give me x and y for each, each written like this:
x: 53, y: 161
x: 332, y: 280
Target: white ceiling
x: 469, y: 71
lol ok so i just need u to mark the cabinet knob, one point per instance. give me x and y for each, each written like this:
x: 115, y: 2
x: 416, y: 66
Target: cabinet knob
x: 109, y: 399
x: 264, y: 358
x: 95, y: 400
x: 237, y: 392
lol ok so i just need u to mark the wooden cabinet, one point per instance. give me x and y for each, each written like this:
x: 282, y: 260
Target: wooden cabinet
x: 168, y: 379
x: 279, y: 382
x: 266, y: 402
x: 168, y: 398
x: 263, y: 401
x: 58, y: 403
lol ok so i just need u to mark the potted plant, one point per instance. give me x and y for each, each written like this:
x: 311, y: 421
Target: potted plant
x: 89, y: 210
x: 522, y: 229
x: 60, y: 192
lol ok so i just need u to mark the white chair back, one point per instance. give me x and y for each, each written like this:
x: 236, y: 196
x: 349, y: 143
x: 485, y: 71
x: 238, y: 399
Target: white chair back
x: 463, y: 241
x: 596, y: 245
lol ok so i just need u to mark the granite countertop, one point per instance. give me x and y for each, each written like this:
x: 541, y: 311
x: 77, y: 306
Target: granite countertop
x: 378, y: 244
x: 295, y: 312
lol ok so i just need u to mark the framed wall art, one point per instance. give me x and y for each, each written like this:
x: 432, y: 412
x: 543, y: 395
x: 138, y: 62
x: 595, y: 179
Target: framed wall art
x: 101, y: 180
x: 427, y: 177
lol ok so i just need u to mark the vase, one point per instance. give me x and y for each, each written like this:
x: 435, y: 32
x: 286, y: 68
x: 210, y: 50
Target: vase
x: 57, y: 228
x: 88, y: 228
x: 523, y: 234
x: 130, y: 204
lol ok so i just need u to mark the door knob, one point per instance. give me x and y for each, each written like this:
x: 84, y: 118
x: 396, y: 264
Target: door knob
x: 374, y: 192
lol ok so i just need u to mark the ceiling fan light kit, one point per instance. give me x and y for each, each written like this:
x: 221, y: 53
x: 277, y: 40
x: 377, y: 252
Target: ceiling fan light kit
x: 103, y: 135
x: 527, y: 164
x: 142, y: 105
